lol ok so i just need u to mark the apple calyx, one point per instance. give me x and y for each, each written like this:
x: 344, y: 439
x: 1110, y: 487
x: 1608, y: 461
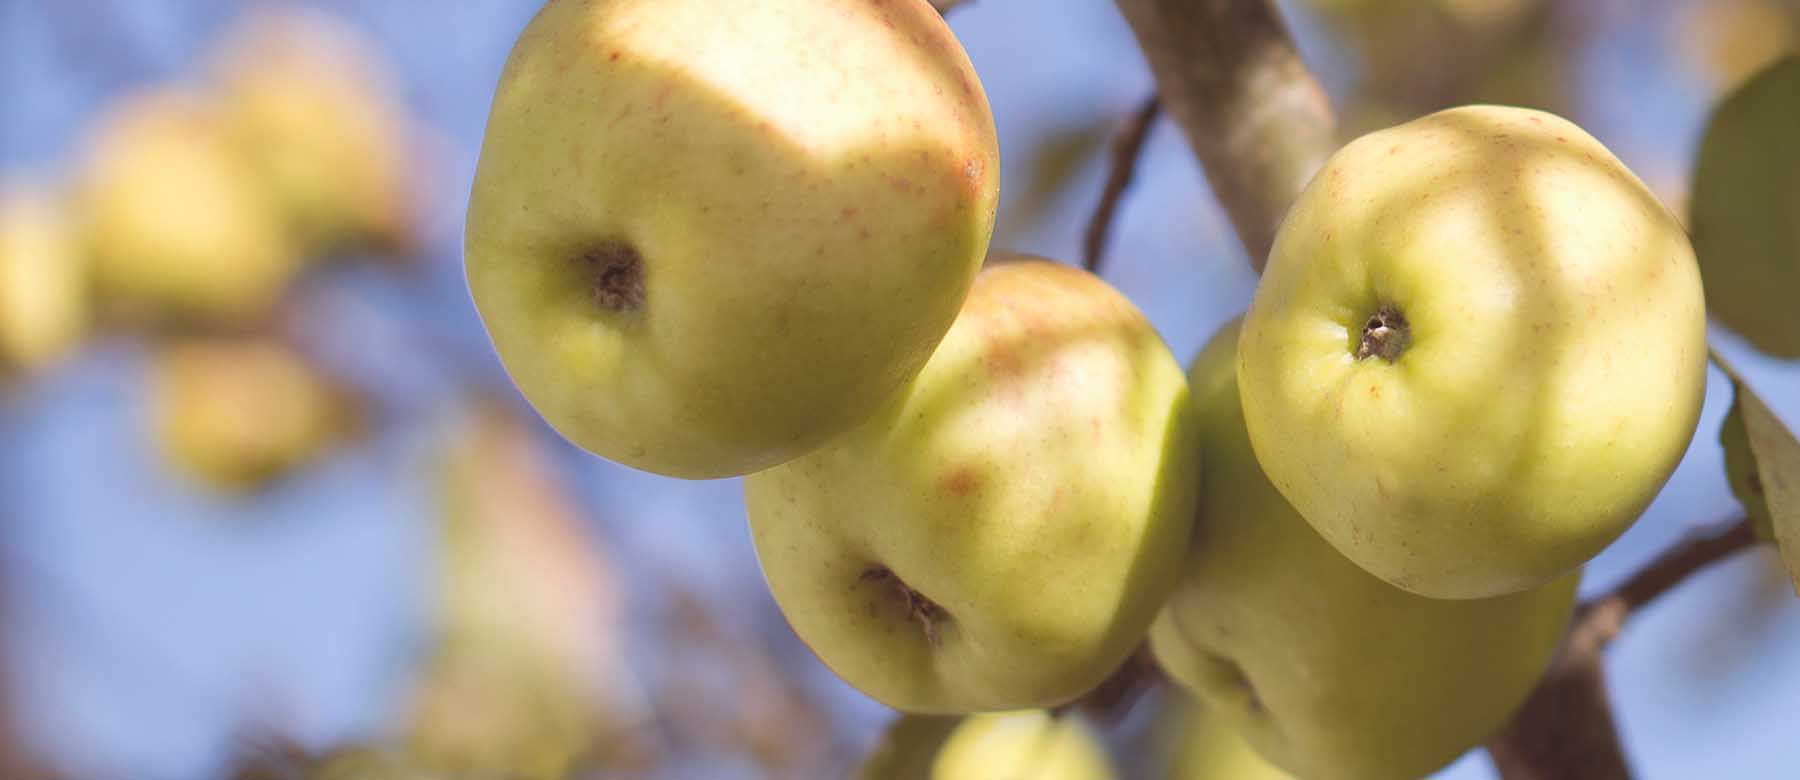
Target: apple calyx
x: 1385, y: 335
x: 617, y: 271
x: 917, y: 606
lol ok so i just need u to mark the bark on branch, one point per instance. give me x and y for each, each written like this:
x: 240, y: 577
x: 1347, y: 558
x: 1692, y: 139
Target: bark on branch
x: 1229, y: 74
x: 1565, y: 731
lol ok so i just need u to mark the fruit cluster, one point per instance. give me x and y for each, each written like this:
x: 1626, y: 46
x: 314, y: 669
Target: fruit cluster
x: 195, y: 208
x: 1355, y: 527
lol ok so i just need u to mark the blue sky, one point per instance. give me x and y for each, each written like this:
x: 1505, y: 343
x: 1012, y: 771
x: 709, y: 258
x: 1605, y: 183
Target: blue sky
x: 149, y: 617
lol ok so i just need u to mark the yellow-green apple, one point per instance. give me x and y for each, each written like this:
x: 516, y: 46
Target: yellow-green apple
x: 707, y: 237
x: 908, y: 747
x: 1745, y: 209
x: 43, y: 279
x: 1024, y: 745
x: 236, y: 413
x: 1477, y: 352
x: 1329, y: 672
x: 1194, y: 744
x: 316, y: 109
x: 1021, y: 745
x: 1001, y: 533
x: 174, y: 217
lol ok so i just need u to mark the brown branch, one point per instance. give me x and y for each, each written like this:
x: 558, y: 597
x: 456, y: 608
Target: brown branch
x: 1229, y: 74
x: 1128, y: 145
x: 1565, y: 729
x: 944, y: 7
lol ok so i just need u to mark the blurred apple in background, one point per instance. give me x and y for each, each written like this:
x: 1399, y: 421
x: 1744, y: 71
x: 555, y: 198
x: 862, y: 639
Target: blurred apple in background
x: 317, y: 110
x: 236, y: 413
x: 178, y: 225
x: 43, y: 278
x: 528, y: 677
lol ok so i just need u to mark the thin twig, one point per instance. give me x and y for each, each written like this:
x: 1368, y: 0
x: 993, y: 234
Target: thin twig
x: 1128, y: 145
x: 1565, y: 730
x: 1230, y: 75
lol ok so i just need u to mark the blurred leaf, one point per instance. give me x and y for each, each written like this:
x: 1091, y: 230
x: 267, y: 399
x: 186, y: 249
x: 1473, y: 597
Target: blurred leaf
x: 1052, y: 163
x: 1776, y: 476
x: 528, y: 678
x: 1744, y: 210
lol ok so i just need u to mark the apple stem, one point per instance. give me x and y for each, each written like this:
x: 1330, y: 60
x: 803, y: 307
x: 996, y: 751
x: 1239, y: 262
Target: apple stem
x: 1385, y: 335
x: 618, y: 273
x: 917, y: 606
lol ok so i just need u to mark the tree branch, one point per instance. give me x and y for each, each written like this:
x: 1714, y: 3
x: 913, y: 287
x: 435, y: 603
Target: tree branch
x: 1231, y: 77
x: 1565, y: 730
x: 1127, y: 147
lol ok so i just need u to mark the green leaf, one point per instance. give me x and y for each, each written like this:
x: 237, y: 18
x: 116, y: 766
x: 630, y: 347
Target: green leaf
x: 1773, y: 475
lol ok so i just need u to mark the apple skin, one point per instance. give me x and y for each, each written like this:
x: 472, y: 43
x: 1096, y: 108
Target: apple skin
x: 1026, y: 745
x: 1327, y: 671
x: 1000, y: 535
x: 705, y: 238
x: 1556, y: 364
x: 908, y: 747
x: 1194, y: 744
x: 1745, y: 209
x: 1022, y: 745
x: 43, y: 279
x: 176, y: 224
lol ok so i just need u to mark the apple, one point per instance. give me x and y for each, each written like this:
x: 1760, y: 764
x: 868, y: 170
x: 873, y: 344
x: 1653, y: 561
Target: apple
x: 1000, y: 535
x: 707, y: 237
x: 317, y: 110
x: 43, y: 279
x: 1329, y: 672
x: 237, y: 413
x: 1193, y: 744
x: 1026, y: 745
x: 908, y: 747
x: 1022, y: 745
x: 174, y: 218
x: 1477, y: 352
x: 1745, y: 209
